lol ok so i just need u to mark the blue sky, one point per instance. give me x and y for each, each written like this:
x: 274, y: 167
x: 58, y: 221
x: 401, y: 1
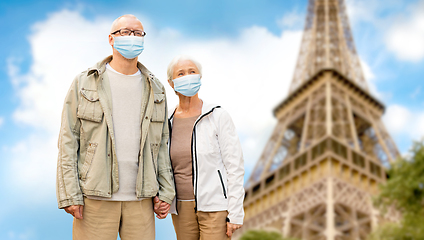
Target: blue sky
x: 248, y: 50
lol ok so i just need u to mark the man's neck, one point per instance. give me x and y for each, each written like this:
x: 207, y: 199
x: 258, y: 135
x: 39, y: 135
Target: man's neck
x: 123, y: 65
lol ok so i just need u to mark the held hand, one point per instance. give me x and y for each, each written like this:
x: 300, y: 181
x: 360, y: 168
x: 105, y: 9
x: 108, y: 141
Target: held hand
x: 231, y: 228
x: 75, y: 210
x: 161, y: 208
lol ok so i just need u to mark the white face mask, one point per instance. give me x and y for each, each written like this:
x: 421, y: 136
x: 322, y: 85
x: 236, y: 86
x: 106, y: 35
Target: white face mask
x: 129, y: 46
x: 187, y: 85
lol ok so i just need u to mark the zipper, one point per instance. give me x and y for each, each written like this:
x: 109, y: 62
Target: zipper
x: 169, y: 154
x: 222, y: 183
x: 193, y: 146
x: 192, y: 167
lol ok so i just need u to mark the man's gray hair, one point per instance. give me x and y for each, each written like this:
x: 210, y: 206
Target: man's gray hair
x: 112, y: 29
x: 178, y: 59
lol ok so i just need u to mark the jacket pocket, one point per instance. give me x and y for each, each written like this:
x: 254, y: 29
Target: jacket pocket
x: 222, y: 183
x: 91, y: 150
x: 158, y: 114
x: 89, y: 107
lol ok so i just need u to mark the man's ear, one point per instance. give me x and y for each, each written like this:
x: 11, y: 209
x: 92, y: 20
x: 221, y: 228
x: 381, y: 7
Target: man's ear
x: 111, y: 40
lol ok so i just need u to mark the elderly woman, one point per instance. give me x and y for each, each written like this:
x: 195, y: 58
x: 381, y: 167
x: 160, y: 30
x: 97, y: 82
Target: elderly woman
x: 207, y: 160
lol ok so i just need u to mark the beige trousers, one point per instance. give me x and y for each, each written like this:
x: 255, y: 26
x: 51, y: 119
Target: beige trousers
x: 189, y: 225
x: 102, y: 220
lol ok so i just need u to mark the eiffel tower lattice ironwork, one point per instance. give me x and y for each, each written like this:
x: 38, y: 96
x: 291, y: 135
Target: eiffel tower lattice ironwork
x: 329, y: 150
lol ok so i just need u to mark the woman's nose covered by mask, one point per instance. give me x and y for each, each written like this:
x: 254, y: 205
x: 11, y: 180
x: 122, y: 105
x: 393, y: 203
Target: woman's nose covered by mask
x: 187, y: 85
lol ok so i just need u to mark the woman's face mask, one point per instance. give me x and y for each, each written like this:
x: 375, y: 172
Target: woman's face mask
x: 187, y: 85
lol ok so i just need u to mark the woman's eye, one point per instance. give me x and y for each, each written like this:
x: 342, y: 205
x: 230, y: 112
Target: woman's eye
x: 193, y: 71
x: 180, y: 74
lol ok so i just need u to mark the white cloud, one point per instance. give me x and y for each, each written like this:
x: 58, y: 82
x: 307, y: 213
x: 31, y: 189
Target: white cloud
x: 27, y: 234
x: 293, y: 20
x: 1, y: 121
x: 370, y: 78
x: 368, y: 74
x: 397, y: 118
x: 405, y: 37
x: 33, y: 166
x: 373, y: 82
x: 360, y: 10
x: 247, y: 75
x: 400, y: 120
x: 371, y: 11
x: 61, y: 47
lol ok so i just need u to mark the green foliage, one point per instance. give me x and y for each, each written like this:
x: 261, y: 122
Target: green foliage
x: 263, y: 235
x: 404, y: 190
x: 402, y: 231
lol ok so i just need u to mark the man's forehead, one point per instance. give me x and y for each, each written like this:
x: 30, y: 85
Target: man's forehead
x: 127, y: 22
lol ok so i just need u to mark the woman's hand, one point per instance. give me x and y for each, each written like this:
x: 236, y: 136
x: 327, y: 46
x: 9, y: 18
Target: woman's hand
x: 231, y: 228
x: 160, y: 208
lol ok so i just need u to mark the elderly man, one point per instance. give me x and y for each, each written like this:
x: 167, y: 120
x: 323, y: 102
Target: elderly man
x: 113, y: 156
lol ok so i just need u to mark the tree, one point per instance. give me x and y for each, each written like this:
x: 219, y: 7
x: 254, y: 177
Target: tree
x: 404, y: 191
x: 263, y: 235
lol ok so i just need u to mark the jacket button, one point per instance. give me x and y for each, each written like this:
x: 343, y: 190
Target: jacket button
x: 147, y: 117
x: 82, y: 88
x: 108, y: 155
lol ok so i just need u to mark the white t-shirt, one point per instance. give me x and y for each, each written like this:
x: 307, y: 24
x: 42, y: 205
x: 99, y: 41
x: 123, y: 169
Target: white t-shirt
x: 126, y: 93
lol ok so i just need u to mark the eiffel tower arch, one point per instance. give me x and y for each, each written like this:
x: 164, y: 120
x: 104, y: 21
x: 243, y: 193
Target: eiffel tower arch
x: 329, y: 150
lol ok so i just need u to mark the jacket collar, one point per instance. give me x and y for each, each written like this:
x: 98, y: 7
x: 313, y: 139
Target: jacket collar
x: 100, y: 68
x: 206, y: 107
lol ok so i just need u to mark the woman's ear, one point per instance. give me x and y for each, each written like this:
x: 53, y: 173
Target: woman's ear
x: 171, y: 83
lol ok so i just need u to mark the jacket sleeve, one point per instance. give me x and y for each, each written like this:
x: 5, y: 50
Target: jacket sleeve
x: 165, y: 176
x: 232, y: 156
x: 68, y: 190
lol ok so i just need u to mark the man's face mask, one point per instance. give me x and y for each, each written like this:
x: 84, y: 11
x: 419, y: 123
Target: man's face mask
x: 129, y: 46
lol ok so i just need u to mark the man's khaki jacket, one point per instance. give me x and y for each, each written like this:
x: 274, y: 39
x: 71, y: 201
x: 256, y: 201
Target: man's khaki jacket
x: 87, y: 163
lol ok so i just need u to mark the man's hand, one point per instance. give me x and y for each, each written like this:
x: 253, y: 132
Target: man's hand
x: 161, y: 208
x: 231, y: 228
x: 75, y: 210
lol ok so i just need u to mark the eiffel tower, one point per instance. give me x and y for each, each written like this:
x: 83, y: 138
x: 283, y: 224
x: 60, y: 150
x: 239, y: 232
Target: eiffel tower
x: 329, y: 150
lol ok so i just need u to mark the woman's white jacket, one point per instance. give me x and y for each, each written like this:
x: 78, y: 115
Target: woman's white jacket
x: 217, y: 164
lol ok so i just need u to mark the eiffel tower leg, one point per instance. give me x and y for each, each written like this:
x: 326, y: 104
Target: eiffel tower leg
x: 286, y: 226
x: 328, y: 106
x: 330, y: 229
x: 373, y: 216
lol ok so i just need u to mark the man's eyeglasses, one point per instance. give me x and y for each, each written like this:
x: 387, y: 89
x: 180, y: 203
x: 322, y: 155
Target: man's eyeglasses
x: 127, y: 32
